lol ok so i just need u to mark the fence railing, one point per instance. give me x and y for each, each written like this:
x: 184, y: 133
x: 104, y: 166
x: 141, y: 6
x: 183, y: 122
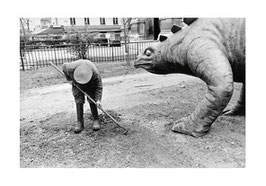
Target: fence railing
x: 36, y: 56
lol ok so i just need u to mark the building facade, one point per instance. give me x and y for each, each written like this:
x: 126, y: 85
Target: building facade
x: 106, y: 27
x: 110, y: 28
x: 38, y: 23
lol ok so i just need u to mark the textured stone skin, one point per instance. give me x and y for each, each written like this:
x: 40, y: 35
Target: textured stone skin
x: 214, y: 51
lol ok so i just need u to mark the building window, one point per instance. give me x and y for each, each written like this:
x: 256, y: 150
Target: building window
x: 102, y: 21
x: 117, y: 36
x: 72, y: 21
x: 115, y: 21
x: 86, y: 21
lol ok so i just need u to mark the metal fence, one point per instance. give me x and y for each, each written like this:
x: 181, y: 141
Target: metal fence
x: 37, y: 56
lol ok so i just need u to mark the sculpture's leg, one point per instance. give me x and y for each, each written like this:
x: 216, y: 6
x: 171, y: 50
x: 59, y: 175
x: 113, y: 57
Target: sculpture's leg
x: 214, y: 69
x: 240, y: 107
x: 199, y: 122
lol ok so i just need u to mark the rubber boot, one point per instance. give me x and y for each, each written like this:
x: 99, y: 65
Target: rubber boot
x: 80, y: 120
x: 95, y: 122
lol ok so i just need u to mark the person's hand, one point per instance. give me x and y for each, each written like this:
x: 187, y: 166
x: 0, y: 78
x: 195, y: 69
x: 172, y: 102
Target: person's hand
x: 68, y: 78
x: 99, y: 104
x: 70, y: 82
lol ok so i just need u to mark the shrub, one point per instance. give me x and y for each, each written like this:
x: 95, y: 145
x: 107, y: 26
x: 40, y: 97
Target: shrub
x: 80, y: 44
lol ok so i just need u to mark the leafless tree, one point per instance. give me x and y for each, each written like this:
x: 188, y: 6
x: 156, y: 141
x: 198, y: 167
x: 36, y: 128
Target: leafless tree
x: 25, y: 21
x: 126, y: 25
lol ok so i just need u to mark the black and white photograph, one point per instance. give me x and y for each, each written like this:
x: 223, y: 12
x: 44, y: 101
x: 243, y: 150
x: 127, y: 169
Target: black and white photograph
x: 133, y: 93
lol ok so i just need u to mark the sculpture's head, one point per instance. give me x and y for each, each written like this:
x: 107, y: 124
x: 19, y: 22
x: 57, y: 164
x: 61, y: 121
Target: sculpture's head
x: 149, y: 59
x: 155, y: 59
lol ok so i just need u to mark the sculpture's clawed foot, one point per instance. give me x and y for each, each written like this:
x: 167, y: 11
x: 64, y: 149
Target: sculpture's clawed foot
x: 235, y: 111
x: 186, y: 126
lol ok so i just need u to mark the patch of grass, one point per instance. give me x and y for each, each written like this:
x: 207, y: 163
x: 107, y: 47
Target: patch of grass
x: 49, y: 76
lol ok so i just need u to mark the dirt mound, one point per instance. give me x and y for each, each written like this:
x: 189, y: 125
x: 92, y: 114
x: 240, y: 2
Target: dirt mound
x: 148, y: 112
x: 54, y: 139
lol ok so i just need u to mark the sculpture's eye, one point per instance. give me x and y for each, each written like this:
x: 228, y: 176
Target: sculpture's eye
x: 148, y: 53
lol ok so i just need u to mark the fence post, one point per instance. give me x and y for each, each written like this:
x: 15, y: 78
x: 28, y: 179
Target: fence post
x: 137, y: 48
x: 112, y: 54
x: 127, y: 53
x: 22, y: 61
x: 55, y: 55
x: 88, y: 51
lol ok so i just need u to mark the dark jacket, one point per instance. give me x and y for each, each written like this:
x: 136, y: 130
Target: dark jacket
x: 95, y: 83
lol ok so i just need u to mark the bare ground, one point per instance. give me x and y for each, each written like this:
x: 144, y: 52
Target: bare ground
x: 147, y: 105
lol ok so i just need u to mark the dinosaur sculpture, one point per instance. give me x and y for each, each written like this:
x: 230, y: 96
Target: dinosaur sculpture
x: 212, y: 50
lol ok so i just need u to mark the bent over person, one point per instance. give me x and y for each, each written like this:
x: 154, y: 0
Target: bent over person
x: 86, y: 76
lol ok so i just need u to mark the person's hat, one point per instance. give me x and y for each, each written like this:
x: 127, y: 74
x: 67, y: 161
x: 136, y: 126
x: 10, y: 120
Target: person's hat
x: 83, y: 73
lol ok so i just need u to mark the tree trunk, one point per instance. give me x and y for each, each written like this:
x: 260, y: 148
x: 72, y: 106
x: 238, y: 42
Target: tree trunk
x: 126, y: 23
